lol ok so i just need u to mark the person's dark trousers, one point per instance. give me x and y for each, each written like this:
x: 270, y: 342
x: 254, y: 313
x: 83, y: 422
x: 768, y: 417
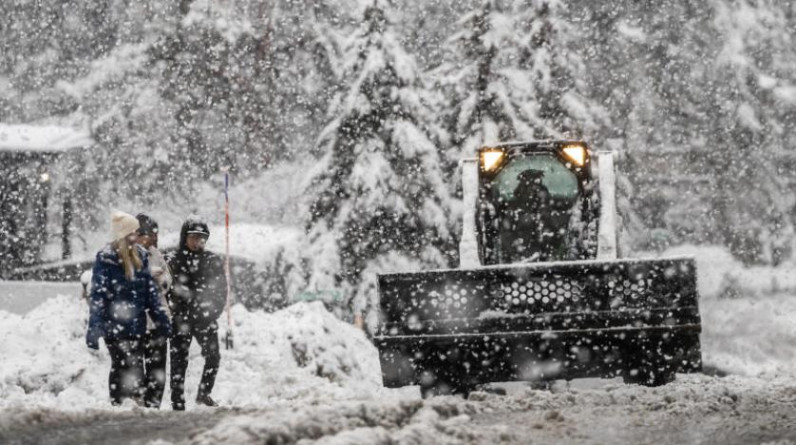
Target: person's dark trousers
x: 207, y: 338
x: 127, y: 370
x: 155, y: 352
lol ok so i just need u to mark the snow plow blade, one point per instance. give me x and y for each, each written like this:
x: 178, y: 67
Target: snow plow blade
x: 449, y: 330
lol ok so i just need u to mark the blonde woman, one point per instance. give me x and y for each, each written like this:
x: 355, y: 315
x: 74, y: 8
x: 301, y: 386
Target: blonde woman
x: 123, y: 292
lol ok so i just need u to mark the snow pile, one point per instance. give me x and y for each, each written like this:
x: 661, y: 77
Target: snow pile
x: 300, y: 352
x: 747, y: 322
x: 45, y: 359
x: 750, y: 336
x: 722, y: 276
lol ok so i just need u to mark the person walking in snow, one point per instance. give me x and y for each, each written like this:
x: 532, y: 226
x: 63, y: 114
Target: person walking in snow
x: 123, y: 293
x: 155, y: 344
x: 197, y: 300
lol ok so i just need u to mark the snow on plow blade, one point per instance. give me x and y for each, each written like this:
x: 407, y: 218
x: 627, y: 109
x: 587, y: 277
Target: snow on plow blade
x: 637, y: 319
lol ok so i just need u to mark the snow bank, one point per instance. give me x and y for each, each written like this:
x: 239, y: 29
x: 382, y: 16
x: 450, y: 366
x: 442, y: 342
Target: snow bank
x: 722, y: 276
x: 45, y: 360
x: 747, y: 322
x: 750, y: 336
x: 20, y: 297
x: 300, y: 352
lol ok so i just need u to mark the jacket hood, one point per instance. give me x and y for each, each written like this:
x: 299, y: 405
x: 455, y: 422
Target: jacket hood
x: 193, y: 224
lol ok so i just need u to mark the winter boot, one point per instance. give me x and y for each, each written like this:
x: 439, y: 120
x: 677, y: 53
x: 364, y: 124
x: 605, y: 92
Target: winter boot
x: 206, y: 400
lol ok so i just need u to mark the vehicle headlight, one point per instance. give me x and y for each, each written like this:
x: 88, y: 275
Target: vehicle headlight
x: 575, y: 153
x: 491, y: 159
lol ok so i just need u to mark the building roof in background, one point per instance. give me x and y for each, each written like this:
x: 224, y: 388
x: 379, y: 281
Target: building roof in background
x: 41, y: 138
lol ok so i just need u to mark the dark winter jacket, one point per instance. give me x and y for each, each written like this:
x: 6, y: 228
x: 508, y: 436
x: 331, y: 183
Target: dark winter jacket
x: 118, y: 306
x: 199, y: 293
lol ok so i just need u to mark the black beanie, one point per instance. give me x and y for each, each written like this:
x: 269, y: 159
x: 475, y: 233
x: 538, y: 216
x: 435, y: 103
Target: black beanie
x: 146, y: 224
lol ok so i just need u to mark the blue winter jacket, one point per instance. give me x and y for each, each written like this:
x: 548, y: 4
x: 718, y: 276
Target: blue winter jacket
x: 118, y: 305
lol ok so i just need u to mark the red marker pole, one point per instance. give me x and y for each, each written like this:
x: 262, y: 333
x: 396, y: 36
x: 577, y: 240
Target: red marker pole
x: 228, y: 340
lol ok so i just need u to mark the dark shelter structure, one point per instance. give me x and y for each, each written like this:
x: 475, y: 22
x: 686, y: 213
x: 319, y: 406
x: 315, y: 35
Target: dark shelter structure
x: 29, y: 166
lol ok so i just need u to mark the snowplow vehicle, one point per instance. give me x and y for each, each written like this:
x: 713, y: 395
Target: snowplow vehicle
x: 541, y: 293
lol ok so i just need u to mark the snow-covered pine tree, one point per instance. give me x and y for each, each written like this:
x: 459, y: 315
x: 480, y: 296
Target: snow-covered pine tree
x: 755, y: 104
x: 297, y: 52
x: 556, y: 103
x: 648, y: 67
x: 512, y: 73
x: 119, y: 103
x: 45, y: 43
x: 481, y: 81
x: 378, y: 200
x: 627, y: 91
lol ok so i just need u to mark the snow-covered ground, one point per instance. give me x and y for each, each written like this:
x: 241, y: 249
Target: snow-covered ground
x: 302, y: 352
x: 21, y: 297
x: 301, y: 376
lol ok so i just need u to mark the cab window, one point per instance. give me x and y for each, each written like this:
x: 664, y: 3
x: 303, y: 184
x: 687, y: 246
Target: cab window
x: 561, y: 183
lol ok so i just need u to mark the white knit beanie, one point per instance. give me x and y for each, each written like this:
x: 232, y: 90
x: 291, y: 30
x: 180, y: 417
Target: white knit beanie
x: 122, y: 224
